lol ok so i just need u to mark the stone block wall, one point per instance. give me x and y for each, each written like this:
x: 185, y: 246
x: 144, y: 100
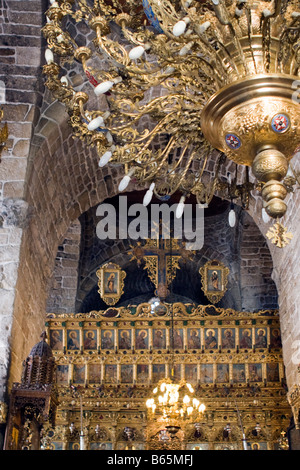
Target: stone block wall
x: 258, y: 290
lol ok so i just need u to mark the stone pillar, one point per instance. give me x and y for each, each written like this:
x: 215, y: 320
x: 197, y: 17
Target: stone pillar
x: 20, y: 96
x: 13, y: 218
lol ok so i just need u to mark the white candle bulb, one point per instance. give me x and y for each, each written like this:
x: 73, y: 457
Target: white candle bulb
x: 169, y: 70
x: 180, y: 208
x: 49, y: 56
x: 64, y: 80
x: 82, y: 441
x: 109, y: 137
x: 124, y: 183
x: 148, y: 196
x: 202, y: 408
x: 95, y: 123
x: 180, y: 27
x: 105, y: 158
x: 231, y: 218
x: 103, y: 87
x: 136, y: 52
x: 238, y: 12
x: 185, y: 49
x: 126, y: 180
x: 204, y: 26
x: 266, y: 12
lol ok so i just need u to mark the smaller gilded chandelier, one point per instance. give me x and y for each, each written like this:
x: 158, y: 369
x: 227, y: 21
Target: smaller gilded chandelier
x: 174, y: 403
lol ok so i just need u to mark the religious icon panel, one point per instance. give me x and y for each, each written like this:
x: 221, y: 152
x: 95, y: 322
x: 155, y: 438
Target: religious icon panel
x: 228, y: 338
x: 79, y: 374
x: 125, y: 339
x: 159, y: 338
x: 141, y: 339
x: 245, y: 338
x: 107, y: 339
x: 193, y: 338
x: 111, y: 373
x: 90, y: 339
x: 142, y: 373
x: 127, y: 373
x: 73, y: 340
x: 95, y: 373
x: 211, y: 338
x: 206, y: 373
x: 56, y: 339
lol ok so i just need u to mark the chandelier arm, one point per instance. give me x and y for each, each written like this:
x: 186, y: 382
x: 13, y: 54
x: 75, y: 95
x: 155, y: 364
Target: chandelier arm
x: 164, y: 156
x: 183, y: 174
x: 150, y: 135
x: 107, y: 9
x: 209, y: 191
x: 223, y: 17
x: 249, y: 28
x: 294, y: 65
x: 122, y: 58
x: 266, y: 32
x: 163, y: 9
x: 213, y: 74
x: 199, y: 177
x: 182, y: 154
x: 134, y: 38
x: 208, y: 49
x: 149, y: 107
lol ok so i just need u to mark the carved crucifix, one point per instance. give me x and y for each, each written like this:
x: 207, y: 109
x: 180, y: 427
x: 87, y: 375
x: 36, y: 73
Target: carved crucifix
x: 161, y: 258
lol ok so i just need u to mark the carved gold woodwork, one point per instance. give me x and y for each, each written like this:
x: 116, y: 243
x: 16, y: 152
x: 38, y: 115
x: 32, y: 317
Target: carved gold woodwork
x: 114, y: 375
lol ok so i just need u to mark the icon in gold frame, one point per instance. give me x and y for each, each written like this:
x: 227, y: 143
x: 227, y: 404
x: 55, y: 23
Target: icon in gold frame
x: 111, y: 283
x: 214, y: 276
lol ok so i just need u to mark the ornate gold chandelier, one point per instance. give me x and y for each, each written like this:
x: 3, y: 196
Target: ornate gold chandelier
x: 168, y: 84
x: 173, y: 404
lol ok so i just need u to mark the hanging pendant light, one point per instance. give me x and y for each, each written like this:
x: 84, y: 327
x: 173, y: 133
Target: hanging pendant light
x: 232, y: 216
